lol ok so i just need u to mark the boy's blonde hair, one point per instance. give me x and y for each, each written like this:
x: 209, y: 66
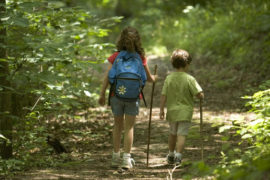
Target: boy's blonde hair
x: 180, y: 58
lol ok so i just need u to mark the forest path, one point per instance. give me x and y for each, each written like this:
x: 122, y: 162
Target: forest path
x: 91, y: 152
x: 91, y: 137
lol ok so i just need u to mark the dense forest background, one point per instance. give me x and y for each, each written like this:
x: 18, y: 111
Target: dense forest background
x: 52, y: 55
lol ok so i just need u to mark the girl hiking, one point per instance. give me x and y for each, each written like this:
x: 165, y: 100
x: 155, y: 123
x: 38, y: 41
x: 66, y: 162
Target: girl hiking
x: 178, y: 91
x: 129, y: 43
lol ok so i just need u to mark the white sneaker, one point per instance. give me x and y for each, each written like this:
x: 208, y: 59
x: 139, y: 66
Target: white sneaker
x: 178, y: 159
x: 127, y: 162
x: 116, y: 160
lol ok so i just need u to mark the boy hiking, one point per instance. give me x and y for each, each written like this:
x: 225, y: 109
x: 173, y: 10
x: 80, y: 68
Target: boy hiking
x: 177, y: 93
x: 126, y: 73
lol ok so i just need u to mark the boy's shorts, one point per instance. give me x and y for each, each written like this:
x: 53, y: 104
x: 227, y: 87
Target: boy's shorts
x: 120, y: 108
x: 179, y: 127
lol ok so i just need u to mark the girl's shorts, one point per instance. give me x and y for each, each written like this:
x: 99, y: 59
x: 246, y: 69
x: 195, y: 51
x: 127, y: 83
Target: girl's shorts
x: 179, y: 127
x: 120, y: 107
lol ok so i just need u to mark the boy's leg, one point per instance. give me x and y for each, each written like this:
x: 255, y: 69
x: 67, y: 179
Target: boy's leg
x: 180, y: 143
x: 173, y: 136
x: 182, y: 132
x: 172, y: 142
x: 179, y: 148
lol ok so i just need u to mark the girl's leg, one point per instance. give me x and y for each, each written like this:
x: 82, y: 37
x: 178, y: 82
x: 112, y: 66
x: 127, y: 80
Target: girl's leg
x: 117, y: 131
x: 128, y: 135
x: 130, y: 108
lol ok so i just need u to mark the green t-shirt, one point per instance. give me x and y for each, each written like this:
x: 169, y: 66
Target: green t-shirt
x: 180, y: 89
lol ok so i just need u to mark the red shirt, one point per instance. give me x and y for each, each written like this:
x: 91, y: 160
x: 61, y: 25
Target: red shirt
x: 113, y: 57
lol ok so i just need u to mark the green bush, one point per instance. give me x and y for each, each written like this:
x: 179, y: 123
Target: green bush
x: 253, y: 162
x: 54, y: 51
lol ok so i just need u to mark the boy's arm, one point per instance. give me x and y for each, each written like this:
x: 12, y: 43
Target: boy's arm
x: 162, y: 105
x: 105, y: 84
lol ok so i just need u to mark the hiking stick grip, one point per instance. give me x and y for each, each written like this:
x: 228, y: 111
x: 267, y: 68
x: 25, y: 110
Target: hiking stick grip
x: 150, y: 116
x: 201, y: 128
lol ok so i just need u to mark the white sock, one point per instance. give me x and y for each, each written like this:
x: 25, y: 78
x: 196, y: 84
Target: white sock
x: 116, y: 154
x: 171, y: 153
x: 126, y: 155
x: 179, y: 155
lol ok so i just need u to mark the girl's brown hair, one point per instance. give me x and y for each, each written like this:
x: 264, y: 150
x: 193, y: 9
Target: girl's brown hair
x: 180, y: 58
x: 130, y: 40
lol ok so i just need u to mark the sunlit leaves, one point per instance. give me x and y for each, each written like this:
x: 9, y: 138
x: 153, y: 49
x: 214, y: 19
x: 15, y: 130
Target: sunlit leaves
x: 56, y: 4
x: 260, y: 102
x: 3, y: 137
x: 188, y: 9
x: 224, y: 128
x: 87, y: 93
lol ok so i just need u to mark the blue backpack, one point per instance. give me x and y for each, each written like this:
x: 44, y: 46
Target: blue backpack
x: 127, y: 76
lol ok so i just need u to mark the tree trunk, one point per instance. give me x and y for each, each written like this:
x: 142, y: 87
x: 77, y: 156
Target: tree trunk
x: 5, y: 94
x: 124, y: 8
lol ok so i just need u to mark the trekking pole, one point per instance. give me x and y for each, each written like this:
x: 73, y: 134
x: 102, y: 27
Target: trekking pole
x: 150, y: 115
x: 201, y: 128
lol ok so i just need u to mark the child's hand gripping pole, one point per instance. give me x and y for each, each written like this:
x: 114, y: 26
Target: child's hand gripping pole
x: 150, y: 116
x: 201, y: 128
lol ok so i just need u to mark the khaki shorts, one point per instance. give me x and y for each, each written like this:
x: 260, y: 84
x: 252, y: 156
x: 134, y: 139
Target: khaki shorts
x: 179, y: 128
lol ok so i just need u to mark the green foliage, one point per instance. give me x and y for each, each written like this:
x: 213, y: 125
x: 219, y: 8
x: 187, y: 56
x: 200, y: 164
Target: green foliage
x: 29, y: 143
x: 260, y: 103
x: 54, y: 50
x: 253, y: 161
x: 229, y: 37
x: 198, y: 169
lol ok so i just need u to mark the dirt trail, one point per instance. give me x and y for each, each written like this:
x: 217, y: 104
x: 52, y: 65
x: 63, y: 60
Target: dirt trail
x: 95, y: 163
x: 91, y: 151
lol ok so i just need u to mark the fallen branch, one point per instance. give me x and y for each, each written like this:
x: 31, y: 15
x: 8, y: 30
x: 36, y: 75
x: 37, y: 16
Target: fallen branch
x: 36, y: 103
x: 170, y: 177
